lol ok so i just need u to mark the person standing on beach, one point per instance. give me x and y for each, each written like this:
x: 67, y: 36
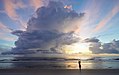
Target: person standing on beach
x: 79, y: 63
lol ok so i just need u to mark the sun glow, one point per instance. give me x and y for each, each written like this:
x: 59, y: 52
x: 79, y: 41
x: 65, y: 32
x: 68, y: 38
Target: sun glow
x: 78, y: 48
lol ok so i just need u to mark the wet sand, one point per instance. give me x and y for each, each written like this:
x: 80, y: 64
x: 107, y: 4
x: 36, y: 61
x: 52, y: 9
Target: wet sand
x: 59, y: 72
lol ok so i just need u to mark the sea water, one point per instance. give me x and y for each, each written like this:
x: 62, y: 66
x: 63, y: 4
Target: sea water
x: 92, y: 62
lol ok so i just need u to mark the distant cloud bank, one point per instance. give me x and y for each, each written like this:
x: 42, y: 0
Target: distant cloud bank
x: 97, y: 47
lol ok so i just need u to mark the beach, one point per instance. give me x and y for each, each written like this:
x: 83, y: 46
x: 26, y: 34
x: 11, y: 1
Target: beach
x: 51, y: 66
x: 59, y: 72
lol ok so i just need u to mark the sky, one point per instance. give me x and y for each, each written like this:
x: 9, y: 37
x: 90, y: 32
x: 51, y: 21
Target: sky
x: 59, y: 26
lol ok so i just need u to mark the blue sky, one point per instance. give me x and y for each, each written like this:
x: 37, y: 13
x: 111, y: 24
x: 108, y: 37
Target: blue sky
x: 101, y: 18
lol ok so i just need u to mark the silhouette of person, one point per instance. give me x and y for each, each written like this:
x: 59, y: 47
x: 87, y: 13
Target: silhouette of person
x: 79, y: 63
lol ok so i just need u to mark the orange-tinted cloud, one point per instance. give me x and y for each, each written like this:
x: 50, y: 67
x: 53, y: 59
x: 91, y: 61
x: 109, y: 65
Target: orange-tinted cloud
x: 7, y: 38
x: 4, y: 31
x: 4, y: 28
x: 36, y: 3
x: 90, y: 11
x: 109, y: 16
x: 10, y: 7
x: 68, y: 6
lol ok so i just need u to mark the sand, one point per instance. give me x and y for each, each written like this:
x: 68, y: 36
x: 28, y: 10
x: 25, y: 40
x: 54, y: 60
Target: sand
x: 59, y: 72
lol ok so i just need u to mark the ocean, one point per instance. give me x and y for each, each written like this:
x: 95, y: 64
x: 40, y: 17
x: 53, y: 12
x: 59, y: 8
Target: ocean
x: 92, y: 62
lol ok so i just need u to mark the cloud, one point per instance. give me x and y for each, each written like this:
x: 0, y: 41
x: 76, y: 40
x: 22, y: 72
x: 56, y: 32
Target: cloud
x: 87, y: 23
x: 94, y: 21
x: 91, y: 40
x: 51, y: 28
x: 22, y: 23
x: 97, y: 47
x: 2, y: 11
x: 109, y: 16
x: 10, y: 7
x: 53, y: 17
x: 7, y: 38
x: 4, y: 28
x: 36, y: 3
x: 68, y: 7
x: 4, y: 31
x: 44, y: 40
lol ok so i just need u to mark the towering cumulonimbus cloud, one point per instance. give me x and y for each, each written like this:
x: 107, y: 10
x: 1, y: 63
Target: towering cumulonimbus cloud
x: 50, y: 29
x: 53, y: 17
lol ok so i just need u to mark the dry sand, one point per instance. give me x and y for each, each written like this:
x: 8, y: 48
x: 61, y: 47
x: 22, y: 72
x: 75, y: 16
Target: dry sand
x: 59, y: 72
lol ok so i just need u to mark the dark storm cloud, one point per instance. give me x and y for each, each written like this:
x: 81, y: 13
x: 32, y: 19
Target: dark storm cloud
x: 49, y: 29
x: 91, y: 40
x: 43, y: 39
x: 52, y: 17
x: 112, y: 47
